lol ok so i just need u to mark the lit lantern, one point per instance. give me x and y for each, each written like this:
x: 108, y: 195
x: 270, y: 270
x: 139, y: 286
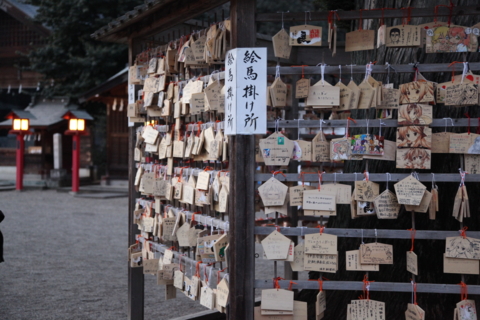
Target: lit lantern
x: 21, y: 124
x: 20, y: 127
x: 76, y: 124
x: 76, y: 127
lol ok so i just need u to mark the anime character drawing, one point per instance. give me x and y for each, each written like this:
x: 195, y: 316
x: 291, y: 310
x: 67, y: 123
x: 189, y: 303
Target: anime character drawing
x: 413, y: 137
x: 440, y: 39
x: 378, y: 145
x: 416, y: 92
x: 417, y: 158
x: 458, y: 39
x: 468, y: 96
x: 475, y: 147
x: 466, y: 248
x: 412, y: 114
x: 340, y: 150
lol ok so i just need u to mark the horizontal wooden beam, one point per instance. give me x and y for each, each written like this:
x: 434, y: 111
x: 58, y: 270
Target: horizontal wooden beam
x: 374, y: 286
x: 368, y: 233
x: 367, y: 14
x: 363, y: 123
x: 360, y: 69
x: 377, y: 177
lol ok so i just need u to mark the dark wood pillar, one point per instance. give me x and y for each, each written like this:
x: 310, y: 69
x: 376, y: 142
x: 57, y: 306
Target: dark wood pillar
x: 241, y: 199
x: 135, y: 275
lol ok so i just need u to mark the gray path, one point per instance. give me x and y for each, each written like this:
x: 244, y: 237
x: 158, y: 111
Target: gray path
x: 66, y: 259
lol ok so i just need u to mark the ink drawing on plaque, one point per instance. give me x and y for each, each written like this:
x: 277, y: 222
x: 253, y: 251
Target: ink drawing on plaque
x: 414, y: 114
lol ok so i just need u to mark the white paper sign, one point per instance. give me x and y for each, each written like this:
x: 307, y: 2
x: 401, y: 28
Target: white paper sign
x: 245, y: 91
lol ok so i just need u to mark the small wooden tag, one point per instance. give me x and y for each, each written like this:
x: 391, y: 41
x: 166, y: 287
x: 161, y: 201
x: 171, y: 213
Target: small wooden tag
x: 273, y: 192
x: 359, y: 40
x: 409, y: 191
x: 386, y: 205
x: 376, y: 253
x: 276, y: 246
x: 302, y: 87
x: 281, y: 46
x: 324, y: 243
x: 412, y: 265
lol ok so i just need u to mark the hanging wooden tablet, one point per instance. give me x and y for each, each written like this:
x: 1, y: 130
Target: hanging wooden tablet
x: 302, y: 88
x: 409, y: 191
x: 324, y: 243
x: 403, y: 36
x: 386, y: 205
x: 305, y: 35
x: 276, y: 246
x: 424, y: 204
x: 464, y: 143
x: 297, y: 264
x: 306, y: 150
x: 278, y: 93
x: 323, y: 95
x: 381, y: 35
x: 346, y: 95
x: 460, y: 266
x: 390, y: 98
x: 414, y: 312
x: 281, y: 46
x: 321, y: 262
x: 353, y: 262
x: 340, y: 149
x: 366, y: 190
x: 461, y: 94
x: 296, y: 194
x: 198, y: 48
x: 452, y: 38
x: 276, y: 149
x: 359, y: 40
x: 356, y: 92
x: 417, y: 92
x: 367, y: 94
x: 273, y: 192
x: 320, y: 148
x: 376, y: 253
x: 212, y: 96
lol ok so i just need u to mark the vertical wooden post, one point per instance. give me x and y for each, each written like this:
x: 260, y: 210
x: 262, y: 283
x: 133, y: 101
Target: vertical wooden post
x: 292, y: 113
x: 135, y: 275
x: 242, y: 186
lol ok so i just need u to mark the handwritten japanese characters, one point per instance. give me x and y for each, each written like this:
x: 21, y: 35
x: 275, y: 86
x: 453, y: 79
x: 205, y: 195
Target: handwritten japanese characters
x: 376, y: 253
x: 305, y: 35
x: 245, y: 87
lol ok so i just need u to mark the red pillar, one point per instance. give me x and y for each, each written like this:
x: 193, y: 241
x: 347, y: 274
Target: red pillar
x: 20, y: 152
x: 75, y: 162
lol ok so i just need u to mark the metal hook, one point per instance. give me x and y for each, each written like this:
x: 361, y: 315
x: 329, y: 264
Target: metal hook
x: 362, y: 237
x: 389, y: 177
x: 351, y: 70
x: 306, y: 16
x: 375, y: 235
x: 446, y: 123
x: 340, y: 76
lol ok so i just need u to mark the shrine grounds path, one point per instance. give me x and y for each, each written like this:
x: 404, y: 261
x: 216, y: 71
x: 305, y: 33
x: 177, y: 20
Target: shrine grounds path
x: 65, y: 258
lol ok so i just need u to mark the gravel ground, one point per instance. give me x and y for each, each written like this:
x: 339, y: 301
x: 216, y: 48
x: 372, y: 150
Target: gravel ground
x: 65, y: 258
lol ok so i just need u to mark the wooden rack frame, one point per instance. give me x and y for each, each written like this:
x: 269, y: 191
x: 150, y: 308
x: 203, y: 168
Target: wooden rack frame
x: 382, y: 69
x: 368, y: 14
x: 374, y: 286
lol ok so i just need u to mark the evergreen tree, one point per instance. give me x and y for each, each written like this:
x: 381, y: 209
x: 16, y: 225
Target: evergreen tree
x: 71, y: 60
